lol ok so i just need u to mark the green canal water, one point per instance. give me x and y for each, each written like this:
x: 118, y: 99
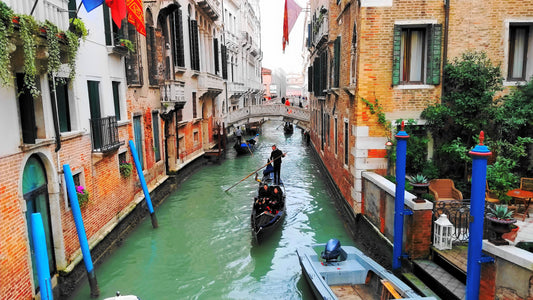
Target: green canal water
x: 204, y: 249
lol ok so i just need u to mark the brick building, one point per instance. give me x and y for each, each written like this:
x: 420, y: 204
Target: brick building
x: 375, y: 62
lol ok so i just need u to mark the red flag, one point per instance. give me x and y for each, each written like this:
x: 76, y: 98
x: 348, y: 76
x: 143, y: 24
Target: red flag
x: 136, y: 15
x: 285, y: 27
x: 292, y: 11
x: 118, y: 10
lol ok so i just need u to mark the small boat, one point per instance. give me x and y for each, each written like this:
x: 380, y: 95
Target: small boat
x: 288, y: 128
x: 118, y: 296
x: 248, y: 146
x: 268, y: 209
x: 346, y: 273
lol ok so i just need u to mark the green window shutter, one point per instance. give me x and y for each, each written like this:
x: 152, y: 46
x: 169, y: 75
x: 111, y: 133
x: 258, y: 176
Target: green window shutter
x: 224, y: 62
x: 396, y: 55
x: 337, y: 58
x: 107, y: 26
x: 179, y: 36
x: 215, y: 50
x: 433, y: 54
x: 310, y: 78
x: 116, y: 98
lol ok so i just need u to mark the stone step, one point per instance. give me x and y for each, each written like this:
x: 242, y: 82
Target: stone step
x: 419, y: 286
x: 441, y: 282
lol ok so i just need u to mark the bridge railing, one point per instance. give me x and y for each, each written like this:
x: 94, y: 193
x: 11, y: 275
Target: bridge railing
x: 275, y: 110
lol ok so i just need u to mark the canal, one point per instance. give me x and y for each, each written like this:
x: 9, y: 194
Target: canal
x: 204, y: 249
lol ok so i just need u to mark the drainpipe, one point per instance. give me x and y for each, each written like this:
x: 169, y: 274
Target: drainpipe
x: 445, y: 46
x: 399, y: 199
x: 54, y: 115
x: 479, y: 154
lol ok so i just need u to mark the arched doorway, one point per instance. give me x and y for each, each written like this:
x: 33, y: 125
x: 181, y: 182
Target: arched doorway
x: 35, y: 190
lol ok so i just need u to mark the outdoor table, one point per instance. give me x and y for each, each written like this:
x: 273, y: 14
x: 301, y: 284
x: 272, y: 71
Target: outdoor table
x: 522, y: 196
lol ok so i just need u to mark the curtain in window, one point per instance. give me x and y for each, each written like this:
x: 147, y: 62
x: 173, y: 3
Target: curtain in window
x: 417, y: 55
x: 519, y: 45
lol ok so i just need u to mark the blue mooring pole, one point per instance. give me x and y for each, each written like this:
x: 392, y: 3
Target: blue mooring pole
x: 139, y: 169
x: 80, y: 229
x: 479, y: 154
x: 399, y: 200
x: 41, y: 256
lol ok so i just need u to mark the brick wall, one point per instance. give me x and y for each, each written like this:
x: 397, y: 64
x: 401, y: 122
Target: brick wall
x: 14, y: 268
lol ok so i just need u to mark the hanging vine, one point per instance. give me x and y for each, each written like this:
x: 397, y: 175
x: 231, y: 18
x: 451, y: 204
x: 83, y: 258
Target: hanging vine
x: 28, y: 27
x: 54, y: 51
x: 6, y: 29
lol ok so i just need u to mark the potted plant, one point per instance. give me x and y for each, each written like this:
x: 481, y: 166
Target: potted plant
x: 125, y: 169
x: 128, y: 44
x: 83, y: 196
x: 500, y: 219
x: 420, y: 186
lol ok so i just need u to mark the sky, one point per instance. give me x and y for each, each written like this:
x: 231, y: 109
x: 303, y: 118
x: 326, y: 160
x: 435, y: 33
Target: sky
x: 272, y: 32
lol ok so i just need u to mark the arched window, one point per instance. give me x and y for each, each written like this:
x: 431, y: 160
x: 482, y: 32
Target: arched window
x: 35, y: 190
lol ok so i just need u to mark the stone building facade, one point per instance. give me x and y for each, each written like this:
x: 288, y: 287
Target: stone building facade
x: 166, y: 95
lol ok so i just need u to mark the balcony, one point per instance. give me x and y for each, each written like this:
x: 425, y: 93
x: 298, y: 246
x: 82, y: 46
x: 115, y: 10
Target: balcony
x: 319, y: 28
x: 104, y: 134
x: 210, y: 84
x: 173, y: 94
x: 210, y: 7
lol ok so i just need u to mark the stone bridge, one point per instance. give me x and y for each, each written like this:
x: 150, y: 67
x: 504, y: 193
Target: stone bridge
x: 298, y: 116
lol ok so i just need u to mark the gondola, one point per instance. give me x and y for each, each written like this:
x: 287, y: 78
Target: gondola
x: 288, y: 128
x: 246, y: 147
x: 268, y: 209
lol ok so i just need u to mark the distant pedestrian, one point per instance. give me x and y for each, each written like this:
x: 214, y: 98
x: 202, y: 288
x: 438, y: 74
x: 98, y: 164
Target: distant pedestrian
x: 282, y: 100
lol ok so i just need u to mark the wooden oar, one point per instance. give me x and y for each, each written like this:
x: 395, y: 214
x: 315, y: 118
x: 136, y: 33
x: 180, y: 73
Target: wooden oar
x: 249, y: 148
x: 253, y: 172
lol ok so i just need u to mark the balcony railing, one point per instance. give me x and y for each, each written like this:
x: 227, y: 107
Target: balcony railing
x: 104, y: 134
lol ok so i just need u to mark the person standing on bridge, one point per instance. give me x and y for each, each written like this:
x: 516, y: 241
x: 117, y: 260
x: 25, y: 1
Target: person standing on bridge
x: 275, y: 157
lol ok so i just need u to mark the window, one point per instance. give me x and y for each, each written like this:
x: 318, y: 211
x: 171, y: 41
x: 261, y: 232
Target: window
x: 518, y: 49
x: 63, y: 107
x: 112, y: 32
x: 353, y: 55
x: 346, y: 142
x: 336, y: 139
x: 337, y: 61
x: 134, y: 60
x: 193, y: 42
x: 194, y: 112
x: 416, y: 54
x: 155, y: 125
x: 137, y: 132
x: 116, y: 98
x: 177, y: 37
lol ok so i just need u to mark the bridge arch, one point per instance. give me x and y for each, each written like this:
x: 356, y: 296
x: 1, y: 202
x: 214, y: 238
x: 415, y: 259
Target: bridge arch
x: 297, y: 115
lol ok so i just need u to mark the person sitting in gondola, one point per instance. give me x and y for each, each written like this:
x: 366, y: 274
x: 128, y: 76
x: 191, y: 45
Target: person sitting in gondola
x: 269, y: 168
x: 264, y: 192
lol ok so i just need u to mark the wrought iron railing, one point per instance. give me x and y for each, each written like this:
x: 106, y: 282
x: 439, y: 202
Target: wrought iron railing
x: 458, y: 212
x: 104, y: 134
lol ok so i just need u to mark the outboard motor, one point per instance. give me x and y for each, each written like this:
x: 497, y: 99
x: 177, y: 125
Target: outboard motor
x: 332, y: 251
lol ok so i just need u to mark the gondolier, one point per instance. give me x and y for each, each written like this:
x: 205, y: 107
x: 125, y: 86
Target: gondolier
x: 276, y: 156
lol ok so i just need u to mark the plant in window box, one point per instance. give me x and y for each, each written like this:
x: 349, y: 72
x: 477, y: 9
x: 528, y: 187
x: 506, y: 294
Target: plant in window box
x: 83, y: 196
x: 500, y: 220
x: 125, y: 169
x: 128, y: 44
x: 52, y: 39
